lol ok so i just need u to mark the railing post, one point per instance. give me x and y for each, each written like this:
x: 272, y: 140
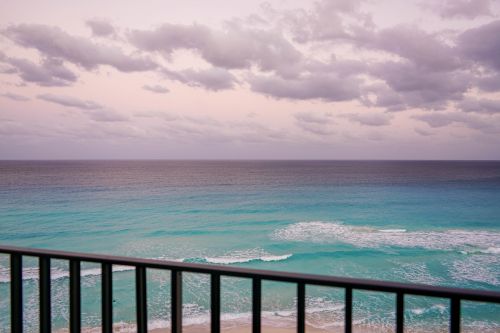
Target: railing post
x: 16, y: 293
x: 74, y: 297
x: 301, y: 307
x: 44, y: 285
x: 348, y: 310
x: 400, y: 303
x: 141, y: 299
x: 455, y: 315
x: 176, y: 301
x: 256, y: 304
x: 107, y: 298
x: 215, y: 302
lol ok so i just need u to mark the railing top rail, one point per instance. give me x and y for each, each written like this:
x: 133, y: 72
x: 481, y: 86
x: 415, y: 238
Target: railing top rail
x: 310, y: 279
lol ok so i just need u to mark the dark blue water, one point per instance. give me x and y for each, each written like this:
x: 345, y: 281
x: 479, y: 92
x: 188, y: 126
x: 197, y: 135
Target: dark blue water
x: 426, y: 222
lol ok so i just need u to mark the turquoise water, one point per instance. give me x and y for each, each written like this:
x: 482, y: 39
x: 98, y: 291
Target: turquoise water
x: 426, y: 222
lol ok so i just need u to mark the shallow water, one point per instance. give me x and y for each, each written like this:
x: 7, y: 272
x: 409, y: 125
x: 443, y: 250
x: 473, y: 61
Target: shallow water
x: 426, y: 222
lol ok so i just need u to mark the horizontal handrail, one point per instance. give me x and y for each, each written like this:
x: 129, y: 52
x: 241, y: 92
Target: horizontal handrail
x: 309, y: 279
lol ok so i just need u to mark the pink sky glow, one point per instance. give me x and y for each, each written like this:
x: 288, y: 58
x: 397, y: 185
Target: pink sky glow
x: 225, y: 79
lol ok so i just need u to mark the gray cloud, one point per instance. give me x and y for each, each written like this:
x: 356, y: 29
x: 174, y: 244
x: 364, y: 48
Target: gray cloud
x: 55, y: 43
x: 50, y: 72
x: 423, y: 132
x: 412, y: 87
x: 155, y: 88
x: 369, y: 118
x: 482, y: 44
x: 211, y: 79
x: 460, y: 8
x: 314, y: 117
x: 442, y: 119
x: 92, y: 109
x: 487, y: 106
x: 490, y: 83
x: 327, y: 20
x: 237, y: 47
x: 313, y: 122
x: 105, y: 115
x: 100, y: 27
x: 70, y: 102
x: 15, y: 97
x: 328, y: 87
x: 423, y: 49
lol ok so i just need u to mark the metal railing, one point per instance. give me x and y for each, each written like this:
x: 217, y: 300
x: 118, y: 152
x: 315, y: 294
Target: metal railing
x: 455, y: 295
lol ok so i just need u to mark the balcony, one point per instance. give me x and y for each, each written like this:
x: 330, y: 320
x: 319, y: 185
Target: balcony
x: 176, y: 269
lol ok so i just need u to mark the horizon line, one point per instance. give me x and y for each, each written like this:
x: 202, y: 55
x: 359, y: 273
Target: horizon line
x: 243, y: 160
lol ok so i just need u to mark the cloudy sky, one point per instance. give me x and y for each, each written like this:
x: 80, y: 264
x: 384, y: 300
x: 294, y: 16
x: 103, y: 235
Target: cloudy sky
x: 192, y: 79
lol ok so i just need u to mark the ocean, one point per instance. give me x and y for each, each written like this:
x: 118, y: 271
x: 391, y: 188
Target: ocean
x: 432, y: 222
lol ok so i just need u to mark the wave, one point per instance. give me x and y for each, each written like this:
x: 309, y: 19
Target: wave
x: 235, y: 260
x: 32, y: 273
x: 368, y: 237
x: 235, y: 257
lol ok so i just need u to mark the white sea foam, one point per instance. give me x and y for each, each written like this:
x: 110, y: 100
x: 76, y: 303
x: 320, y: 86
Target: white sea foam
x: 365, y: 236
x: 226, y: 260
x: 440, y: 308
x: 476, y: 268
x: 32, y: 273
x: 492, y: 250
x: 392, y: 230
x: 56, y: 273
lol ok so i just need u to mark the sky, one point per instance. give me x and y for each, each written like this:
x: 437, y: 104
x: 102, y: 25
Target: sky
x: 225, y: 79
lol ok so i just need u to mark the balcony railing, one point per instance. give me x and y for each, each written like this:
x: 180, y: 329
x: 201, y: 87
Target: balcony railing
x: 455, y: 295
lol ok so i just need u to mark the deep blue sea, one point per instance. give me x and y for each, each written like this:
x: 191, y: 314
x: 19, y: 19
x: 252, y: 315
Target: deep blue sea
x: 426, y: 222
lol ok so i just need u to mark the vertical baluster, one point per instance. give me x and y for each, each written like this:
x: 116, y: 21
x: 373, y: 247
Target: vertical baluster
x: 44, y: 285
x: 176, y: 301
x: 107, y: 298
x: 16, y: 293
x: 348, y: 310
x: 400, y: 303
x: 215, y: 302
x: 141, y: 299
x: 301, y: 308
x: 74, y: 297
x: 455, y: 315
x: 256, y: 304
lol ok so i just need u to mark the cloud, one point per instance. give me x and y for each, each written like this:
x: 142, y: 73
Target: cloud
x: 53, y: 42
x: 328, y: 20
x: 459, y: 8
x: 50, y: 72
x: 314, y: 122
x: 489, y: 83
x: 421, y: 48
x: 211, y: 79
x: 328, y: 87
x: 105, y: 115
x: 486, y: 106
x: 234, y: 48
x: 412, y: 87
x: 423, y: 132
x: 100, y: 27
x: 92, y: 109
x: 369, y: 118
x: 482, y: 44
x: 442, y: 119
x: 15, y: 97
x: 156, y: 89
x: 70, y: 102
x: 311, y: 117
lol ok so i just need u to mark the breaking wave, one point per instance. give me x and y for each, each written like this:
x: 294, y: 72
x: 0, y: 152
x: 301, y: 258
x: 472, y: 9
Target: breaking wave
x: 369, y: 237
x: 236, y: 257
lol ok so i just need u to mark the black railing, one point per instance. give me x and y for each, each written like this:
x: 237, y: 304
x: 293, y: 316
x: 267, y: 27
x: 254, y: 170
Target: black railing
x: 455, y: 295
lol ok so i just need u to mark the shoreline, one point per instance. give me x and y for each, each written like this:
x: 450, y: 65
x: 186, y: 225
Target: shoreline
x: 228, y: 327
